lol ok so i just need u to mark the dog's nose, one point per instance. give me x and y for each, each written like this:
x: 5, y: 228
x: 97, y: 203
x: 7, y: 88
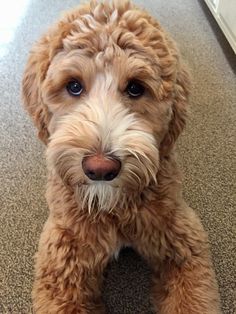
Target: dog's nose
x: 100, y: 168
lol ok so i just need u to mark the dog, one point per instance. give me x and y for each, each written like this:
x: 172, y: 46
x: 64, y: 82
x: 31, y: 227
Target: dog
x: 108, y: 91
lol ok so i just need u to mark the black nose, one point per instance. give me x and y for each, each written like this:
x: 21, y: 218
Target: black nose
x: 100, y: 168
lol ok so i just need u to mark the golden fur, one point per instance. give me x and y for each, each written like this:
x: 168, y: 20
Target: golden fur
x: 105, y: 45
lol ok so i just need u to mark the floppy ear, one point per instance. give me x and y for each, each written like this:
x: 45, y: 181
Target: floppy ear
x: 37, y: 65
x: 34, y: 75
x: 179, y: 109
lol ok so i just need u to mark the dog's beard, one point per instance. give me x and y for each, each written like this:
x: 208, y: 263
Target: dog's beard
x: 84, y: 133
x: 100, y: 196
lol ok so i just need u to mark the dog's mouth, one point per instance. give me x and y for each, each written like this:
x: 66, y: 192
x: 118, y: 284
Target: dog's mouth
x: 100, y: 195
x: 109, y: 195
x: 89, y: 183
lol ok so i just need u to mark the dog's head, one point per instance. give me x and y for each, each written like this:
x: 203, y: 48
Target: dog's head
x: 108, y: 93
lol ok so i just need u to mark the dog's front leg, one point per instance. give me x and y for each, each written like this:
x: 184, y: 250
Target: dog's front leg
x: 187, y: 288
x: 69, y: 267
x: 183, y: 278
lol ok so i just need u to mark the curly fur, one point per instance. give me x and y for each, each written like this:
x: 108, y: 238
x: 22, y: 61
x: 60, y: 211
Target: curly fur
x: 105, y: 45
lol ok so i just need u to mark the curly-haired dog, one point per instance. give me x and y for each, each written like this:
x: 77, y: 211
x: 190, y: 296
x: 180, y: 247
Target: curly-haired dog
x: 108, y: 92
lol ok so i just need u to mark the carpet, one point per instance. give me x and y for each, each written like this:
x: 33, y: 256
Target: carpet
x: 206, y: 154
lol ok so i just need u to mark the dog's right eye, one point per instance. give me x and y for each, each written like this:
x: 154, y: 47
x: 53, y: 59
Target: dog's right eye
x: 135, y: 89
x: 74, y: 88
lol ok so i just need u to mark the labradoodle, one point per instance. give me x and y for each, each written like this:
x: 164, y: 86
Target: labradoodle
x: 108, y: 92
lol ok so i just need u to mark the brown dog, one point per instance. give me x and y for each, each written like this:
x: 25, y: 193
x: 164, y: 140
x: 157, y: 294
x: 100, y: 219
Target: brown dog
x: 108, y: 92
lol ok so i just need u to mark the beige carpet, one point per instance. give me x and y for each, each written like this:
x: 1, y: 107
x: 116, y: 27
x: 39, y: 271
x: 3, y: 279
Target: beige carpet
x: 207, y: 155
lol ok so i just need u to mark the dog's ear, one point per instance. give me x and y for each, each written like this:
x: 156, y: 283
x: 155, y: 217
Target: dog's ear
x: 179, y: 109
x: 37, y: 65
x: 34, y: 75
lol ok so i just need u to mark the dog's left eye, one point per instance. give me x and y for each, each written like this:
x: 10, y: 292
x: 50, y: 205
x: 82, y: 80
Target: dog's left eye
x: 135, y: 89
x: 74, y: 88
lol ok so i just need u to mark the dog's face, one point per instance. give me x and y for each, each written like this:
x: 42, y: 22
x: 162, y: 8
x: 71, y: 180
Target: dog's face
x: 108, y: 94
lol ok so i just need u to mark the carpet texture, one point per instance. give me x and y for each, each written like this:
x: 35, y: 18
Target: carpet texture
x: 206, y: 153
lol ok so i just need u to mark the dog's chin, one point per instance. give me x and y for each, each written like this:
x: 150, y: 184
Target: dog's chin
x: 104, y: 196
